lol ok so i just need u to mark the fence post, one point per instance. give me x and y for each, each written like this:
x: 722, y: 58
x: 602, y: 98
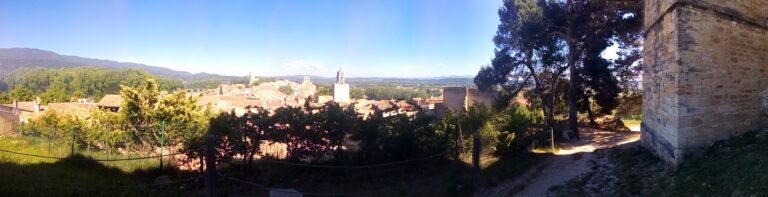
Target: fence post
x: 210, y: 166
x: 162, y: 142
x: 106, y: 142
x: 476, y: 149
x: 552, y: 138
x: 48, y: 136
x: 459, y: 142
x: 72, y: 151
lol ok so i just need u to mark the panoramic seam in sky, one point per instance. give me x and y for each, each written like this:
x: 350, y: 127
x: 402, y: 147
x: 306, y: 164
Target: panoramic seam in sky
x: 393, y: 38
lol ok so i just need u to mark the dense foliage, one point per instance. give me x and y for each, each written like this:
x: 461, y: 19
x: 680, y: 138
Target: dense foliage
x: 329, y: 133
x: 381, y: 92
x: 4, y: 98
x: 203, y: 84
x: 145, y: 122
x: 63, y: 84
x: 544, y: 44
x: 334, y: 133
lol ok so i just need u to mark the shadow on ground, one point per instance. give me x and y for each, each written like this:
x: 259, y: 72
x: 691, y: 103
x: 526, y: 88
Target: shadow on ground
x: 78, y: 175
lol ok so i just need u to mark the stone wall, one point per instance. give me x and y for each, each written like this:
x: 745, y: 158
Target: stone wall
x: 476, y: 97
x: 461, y: 98
x: 341, y: 93
x: 704, y: 70
x: 454, y: 97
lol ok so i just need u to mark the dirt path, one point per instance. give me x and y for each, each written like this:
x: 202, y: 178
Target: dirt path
x: 569, y: 162
x: 562, y: 169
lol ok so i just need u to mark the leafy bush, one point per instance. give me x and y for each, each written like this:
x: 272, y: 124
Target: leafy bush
x: 501, y: 131
x: 631, y: 106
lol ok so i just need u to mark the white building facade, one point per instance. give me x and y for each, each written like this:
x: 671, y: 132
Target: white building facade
x: 340, y: 89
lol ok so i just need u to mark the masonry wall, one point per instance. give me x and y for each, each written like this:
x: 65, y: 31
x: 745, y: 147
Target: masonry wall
x: 705, y: 69
x: 341, y: 93
x: 477, y: 97
x: 454, y: 98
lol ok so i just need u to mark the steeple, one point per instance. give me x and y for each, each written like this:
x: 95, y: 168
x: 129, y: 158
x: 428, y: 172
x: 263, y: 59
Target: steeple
x: 340, y: 76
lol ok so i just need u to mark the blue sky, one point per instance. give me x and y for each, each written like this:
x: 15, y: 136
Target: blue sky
x: 387, y: 38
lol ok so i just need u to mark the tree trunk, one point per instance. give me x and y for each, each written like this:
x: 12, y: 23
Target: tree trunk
x: 250, y: 161
x: 590, y: 113
x: 556, y: 79
x: 573, y: 123
x: 545, y: 106
x: 202, y: 163
x: 246, y: 164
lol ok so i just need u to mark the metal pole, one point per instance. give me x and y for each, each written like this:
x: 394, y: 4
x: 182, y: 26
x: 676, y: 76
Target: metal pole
x: 162, y: 142
x: 210, y: 166
x: 552, y: 136
x: 48, y: 136
x: 460, y: 143
x: 107, y: 139
x: 72, y: 151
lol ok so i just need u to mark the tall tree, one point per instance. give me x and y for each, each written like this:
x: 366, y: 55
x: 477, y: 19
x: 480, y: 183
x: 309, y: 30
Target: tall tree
x: 153, y: 119
x: 335, y: 122
x: 21, y: 93
x: 589, y: 28
x: 552, y: 37
x: 525, y: 49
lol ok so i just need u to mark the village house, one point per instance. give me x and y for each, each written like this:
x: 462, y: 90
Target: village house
x: 9, y: 118
x: 111, y: 102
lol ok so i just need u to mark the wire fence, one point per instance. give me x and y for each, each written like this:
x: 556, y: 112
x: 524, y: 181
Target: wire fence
x: 100, y: 160
x: 210, y: 153
x: 350, y: 167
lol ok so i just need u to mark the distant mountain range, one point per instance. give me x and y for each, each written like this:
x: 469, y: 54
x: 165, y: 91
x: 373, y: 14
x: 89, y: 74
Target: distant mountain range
x: 15, y: 58
x: 364, y: 81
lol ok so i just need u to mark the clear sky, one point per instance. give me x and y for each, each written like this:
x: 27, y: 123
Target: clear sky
x: 386, y: 38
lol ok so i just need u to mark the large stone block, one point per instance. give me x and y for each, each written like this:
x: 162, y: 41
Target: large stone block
x: 704, y: 72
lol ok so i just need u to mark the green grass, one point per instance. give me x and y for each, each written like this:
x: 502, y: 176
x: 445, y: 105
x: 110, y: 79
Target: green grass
x: 425, y: 178
x: 29, y: 176
x: 631, y: 122
x: 509, y: 167
x: 42, y: 146
x: 734, y: 167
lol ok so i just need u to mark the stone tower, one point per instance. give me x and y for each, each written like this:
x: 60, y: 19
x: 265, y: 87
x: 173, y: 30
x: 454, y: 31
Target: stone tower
x: 252, y: 79
x: 705, y: 65
x: 340, y: 89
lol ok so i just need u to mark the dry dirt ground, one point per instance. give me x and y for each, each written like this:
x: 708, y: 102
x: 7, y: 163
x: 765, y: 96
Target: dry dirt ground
x: 567, y: 163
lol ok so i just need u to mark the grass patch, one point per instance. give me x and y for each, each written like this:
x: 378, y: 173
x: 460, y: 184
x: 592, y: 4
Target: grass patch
x: 734, y: 167
x: 30, y: 176
x: 426, y: 178
x: 509, y: 167
x: 632, y: 122
x: 43, y: 146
